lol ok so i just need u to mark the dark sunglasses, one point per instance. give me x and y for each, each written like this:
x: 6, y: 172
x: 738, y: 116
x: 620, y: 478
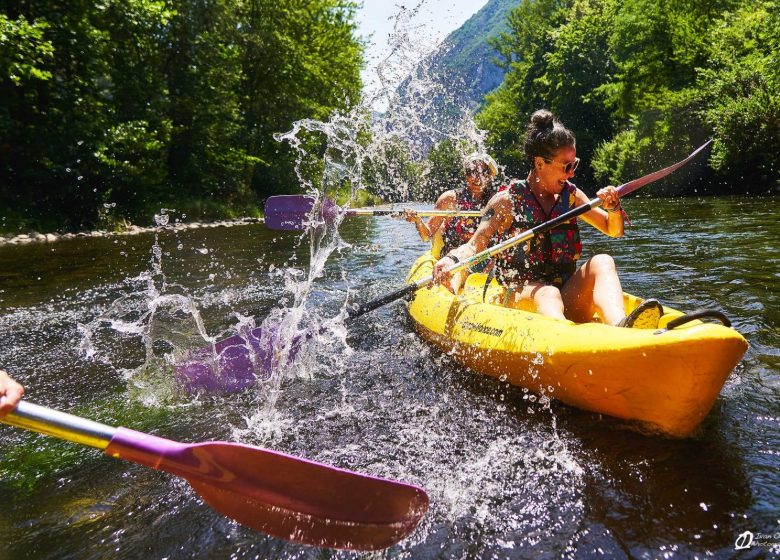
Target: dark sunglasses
x: 478, y: 171
x: 568, y: 167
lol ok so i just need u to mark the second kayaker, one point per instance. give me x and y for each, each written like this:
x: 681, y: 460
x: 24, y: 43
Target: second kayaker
x: 480, y: 170
x: 543, y: 271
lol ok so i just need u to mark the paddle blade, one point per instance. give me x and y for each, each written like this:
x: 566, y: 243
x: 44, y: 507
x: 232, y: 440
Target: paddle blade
x: 237, y: 362
x: 288, y: 212
x: 284, y: 496
x: 293, y: 212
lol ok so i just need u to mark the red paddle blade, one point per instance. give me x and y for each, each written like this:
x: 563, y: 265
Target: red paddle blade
x: 307, y: 529
x: 285, y: 496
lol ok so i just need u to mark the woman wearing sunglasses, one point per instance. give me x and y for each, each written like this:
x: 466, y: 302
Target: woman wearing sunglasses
x: 541, y: 274
x: 480, y: 170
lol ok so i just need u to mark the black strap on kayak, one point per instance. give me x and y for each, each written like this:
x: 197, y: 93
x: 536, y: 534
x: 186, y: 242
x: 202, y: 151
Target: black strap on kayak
x: 701, y: 314
x: 491, y: 273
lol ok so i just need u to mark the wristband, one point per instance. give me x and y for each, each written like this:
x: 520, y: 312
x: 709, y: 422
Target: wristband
x: 455, y: 259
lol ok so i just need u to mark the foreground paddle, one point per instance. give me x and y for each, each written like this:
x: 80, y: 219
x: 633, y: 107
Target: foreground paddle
x: 236, y: 363
x: 294, y: 212
x: 284, y: 496
x: 482, y: 256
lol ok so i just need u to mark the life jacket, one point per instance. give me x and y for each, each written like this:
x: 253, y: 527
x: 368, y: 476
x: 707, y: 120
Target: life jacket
x: 549, y: 257
x: 458, y: 231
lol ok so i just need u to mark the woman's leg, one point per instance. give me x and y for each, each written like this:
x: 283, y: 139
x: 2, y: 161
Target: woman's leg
x: 544, y: 299
x: 594, y: 288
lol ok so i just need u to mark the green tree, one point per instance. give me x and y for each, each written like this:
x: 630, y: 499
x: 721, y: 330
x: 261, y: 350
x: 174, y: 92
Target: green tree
x: 642, y: 81
x: 445, y: 168
x: 523, y: 51
x: 739, y: 94
x: 135, y: 104
x: 300, y: 60
x: 391, y: 173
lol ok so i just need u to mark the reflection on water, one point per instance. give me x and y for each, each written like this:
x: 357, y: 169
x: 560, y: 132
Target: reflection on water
x: 507, y: 477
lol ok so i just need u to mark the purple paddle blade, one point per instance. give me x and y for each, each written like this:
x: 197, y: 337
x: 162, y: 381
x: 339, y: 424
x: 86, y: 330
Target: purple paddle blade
x: 282, y: 495
x: 294, y: 212
x: 288, y: 212
x: 237, y: 362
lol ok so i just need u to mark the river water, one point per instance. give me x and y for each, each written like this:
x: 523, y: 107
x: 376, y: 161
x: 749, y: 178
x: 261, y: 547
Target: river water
x: 508, y: 476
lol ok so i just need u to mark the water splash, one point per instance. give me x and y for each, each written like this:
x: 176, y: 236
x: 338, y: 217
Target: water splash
x: 148, y: 330
x: 353, y: 151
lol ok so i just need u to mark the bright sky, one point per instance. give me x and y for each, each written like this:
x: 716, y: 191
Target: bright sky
x: 439, y: 18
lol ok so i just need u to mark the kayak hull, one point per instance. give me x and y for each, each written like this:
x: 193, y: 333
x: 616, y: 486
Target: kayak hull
x: 665, y: 380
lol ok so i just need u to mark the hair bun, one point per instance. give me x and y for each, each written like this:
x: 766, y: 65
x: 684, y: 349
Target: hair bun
x: 542, y: 119
x: 545, y: 136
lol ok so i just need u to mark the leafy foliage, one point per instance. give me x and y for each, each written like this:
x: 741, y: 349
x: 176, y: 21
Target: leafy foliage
x: 124, y: 107
x: 643, y: 81
x: 738, y: 92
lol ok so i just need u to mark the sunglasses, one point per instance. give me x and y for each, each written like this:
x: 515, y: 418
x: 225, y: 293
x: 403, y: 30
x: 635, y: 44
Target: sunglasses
x: 568, y: 167
x: 482, y: 171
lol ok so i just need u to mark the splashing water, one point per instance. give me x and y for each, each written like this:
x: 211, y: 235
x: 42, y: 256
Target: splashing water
x: 297, y: 340
x: 355, y: 148
x: 156, y: 324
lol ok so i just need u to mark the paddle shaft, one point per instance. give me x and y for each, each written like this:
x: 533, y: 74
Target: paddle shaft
x: 294, y: 212
x: 421, y: 213
x: 61, y: 425
x: 623, y: 190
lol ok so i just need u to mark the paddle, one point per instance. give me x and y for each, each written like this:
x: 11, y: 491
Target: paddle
x: 284, y: 496
x: 238, y: 361
x: 482, y: 256
x: 294, y: 212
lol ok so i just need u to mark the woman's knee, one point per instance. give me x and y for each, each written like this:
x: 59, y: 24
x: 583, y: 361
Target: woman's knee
x: 602, y: 263
x: 548, y: 295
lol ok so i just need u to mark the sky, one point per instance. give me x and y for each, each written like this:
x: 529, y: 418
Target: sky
x: 437, y: 17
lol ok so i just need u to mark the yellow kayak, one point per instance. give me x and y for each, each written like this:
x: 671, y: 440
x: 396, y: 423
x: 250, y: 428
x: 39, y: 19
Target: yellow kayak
x: 666, y: 380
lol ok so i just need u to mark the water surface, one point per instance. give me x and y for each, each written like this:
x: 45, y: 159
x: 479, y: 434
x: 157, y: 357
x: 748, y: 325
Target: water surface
x: 508, y: 476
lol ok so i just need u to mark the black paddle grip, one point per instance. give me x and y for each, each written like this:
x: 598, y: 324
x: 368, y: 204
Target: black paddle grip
x: 358, y: 310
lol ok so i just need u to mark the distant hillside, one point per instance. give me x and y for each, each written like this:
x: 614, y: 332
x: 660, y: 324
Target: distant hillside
x: 437, y: 98
x: 465, y: 58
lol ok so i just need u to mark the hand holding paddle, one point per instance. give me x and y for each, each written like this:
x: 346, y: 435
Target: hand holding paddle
x: 284, y: 496
x: 294, y: 212
x: 10, y: 393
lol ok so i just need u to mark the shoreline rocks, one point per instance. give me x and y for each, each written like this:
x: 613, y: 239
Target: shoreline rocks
x: 35, y: 237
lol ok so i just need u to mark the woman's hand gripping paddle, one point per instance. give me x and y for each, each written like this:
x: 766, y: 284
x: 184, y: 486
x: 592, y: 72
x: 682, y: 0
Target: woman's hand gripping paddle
x: 295, y: 212
x: 284, y: 496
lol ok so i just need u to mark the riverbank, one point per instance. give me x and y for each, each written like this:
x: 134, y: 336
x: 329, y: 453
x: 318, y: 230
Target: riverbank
x: 36, y: 237
x: 359, y: 200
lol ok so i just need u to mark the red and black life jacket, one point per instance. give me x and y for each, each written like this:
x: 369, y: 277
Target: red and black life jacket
x: 458, y: 231
x: 549, y: 257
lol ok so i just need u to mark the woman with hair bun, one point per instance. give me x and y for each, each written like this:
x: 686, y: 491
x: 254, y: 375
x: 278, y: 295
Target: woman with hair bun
x: 542, y: 274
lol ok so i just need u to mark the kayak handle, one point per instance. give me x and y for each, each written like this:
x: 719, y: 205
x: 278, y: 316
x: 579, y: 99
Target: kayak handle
x: 703, y: 314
